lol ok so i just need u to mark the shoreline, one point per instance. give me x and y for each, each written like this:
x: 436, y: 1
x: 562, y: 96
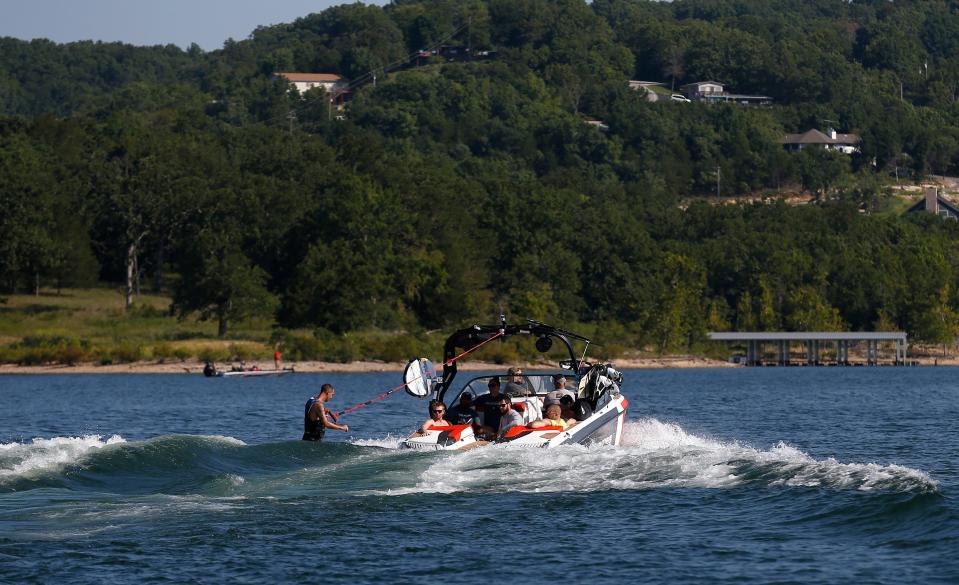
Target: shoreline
x: 358, y: 367
x: 369, y: 366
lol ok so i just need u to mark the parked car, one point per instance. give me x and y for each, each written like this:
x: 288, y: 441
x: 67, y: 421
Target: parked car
x: 678, y: 97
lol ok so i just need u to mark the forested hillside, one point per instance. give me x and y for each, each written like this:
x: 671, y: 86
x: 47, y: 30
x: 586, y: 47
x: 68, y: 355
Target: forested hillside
x: 451, y: 190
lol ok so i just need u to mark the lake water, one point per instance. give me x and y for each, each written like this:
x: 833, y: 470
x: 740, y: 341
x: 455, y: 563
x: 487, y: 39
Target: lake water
x: 745, y: 475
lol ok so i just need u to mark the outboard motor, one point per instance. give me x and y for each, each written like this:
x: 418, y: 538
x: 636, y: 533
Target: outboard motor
x: 209, y: 370
x: 601, y: 378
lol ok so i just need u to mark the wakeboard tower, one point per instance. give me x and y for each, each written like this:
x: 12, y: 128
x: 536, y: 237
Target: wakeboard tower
x: 600, y: 407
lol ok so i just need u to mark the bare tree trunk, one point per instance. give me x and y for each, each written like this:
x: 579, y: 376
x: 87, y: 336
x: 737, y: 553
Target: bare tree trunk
x: 136, y: 276
x: 36, y: 283
x: 131, y: 267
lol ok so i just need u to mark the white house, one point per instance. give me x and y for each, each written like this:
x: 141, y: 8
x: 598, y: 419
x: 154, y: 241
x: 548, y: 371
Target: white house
x: 702, y: 89
x: 332, y: 83
x: 832, y: 140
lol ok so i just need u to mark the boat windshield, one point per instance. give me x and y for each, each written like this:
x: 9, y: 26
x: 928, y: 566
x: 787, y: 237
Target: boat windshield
x: 534, y: 384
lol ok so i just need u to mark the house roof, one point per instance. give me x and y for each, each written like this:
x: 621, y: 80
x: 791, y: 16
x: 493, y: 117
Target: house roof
x: 703, y: 83
x: 316, y: 77
x: 943, y: 202
x: 814, y: 136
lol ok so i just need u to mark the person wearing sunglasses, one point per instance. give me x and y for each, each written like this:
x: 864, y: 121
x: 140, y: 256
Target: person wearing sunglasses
x: 436, y: 419
x: 516, y: 386
x: 508, y: 418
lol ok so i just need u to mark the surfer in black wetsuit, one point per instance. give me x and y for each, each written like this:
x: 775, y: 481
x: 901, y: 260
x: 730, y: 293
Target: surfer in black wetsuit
x: 317, y: 418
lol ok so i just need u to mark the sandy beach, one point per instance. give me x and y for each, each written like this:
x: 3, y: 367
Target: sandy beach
x: 195, y: 367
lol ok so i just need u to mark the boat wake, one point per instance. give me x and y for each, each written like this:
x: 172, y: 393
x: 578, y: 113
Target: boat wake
x: 654, y: 455
x: 658, y: 455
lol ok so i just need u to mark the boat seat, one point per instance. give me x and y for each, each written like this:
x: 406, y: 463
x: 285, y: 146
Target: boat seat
x: 529, y: 408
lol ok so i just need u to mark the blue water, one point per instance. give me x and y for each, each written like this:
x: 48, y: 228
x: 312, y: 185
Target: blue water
x: 778, y: 475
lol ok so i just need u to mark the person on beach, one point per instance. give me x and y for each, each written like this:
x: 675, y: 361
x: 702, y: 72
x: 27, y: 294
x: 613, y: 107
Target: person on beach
x: 276, y: 360
x: 436, y: 420
x: 317, y: 418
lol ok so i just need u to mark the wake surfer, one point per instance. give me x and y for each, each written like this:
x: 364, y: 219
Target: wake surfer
x: 317, y: 418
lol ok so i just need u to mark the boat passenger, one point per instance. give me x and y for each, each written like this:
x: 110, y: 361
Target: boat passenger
x: 566, y: 403
x: 559, y: 391
x: 487, y: 405
x: 553, y: 418
x: 509, y: 418
x: 463, y: 413
x: 516, y: 386
x: 317, y: 418
x: 437, y: 411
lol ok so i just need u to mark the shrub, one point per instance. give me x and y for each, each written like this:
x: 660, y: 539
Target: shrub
x: 35, y: 356
x: 301, y: 347
x: 241, y: 352
x: 342, y: 350
x: 142, y: 311
x: 393, y: 348
x: 36, y: 350
x: 182, y: 354
x: 126, y: 353
x: 162, y: 352
x: 9, y: 355
x: 498, y: 353
x: 70, y: 355
x: 610, y: 351
x: 213, y: 354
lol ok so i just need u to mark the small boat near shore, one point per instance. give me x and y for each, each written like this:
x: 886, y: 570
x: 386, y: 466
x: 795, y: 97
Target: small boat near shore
x: 211, y: 371
x: 599, y: 407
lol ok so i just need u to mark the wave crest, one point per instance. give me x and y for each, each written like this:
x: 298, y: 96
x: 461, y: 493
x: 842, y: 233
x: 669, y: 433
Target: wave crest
x: 655, y: 454
x: 38, y: 455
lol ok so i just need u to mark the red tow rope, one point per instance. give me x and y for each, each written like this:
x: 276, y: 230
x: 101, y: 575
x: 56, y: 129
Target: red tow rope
x: 403, y: 385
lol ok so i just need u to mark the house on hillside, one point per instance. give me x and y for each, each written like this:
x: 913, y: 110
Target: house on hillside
x: 336, y: 86
x: 831, y: 140
x: 713, y: 92
x: 934, y: 202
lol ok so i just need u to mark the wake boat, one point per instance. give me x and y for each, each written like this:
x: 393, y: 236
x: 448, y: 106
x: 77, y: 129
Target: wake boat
x: 600, y: 407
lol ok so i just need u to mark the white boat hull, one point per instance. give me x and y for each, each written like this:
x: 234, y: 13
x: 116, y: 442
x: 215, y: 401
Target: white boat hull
x: 604, y: 426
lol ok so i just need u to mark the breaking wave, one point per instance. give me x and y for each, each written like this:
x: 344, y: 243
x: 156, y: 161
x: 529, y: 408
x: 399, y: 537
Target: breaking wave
x: 654, y: 455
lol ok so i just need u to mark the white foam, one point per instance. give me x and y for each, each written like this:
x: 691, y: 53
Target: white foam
x: 17, y: 459
x: 224, y: 439
x: 387, y: 442
x: 654, y: 455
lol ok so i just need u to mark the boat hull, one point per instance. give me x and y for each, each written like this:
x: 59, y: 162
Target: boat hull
x: 254, y: 373
x: 604, y: 426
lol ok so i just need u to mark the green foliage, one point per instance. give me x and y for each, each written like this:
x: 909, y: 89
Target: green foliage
x: 457, y: 190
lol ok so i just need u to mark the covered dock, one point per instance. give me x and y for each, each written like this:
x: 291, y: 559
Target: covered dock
x: 814, y: 343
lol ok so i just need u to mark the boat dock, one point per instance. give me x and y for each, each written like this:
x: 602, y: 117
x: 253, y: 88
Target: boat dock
x: 819, y: 348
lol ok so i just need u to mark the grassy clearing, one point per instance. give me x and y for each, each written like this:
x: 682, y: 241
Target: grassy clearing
x: 84, y: 325
x: 90, y: 325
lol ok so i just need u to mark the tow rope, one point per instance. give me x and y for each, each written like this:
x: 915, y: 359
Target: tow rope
x: 403, y: 385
